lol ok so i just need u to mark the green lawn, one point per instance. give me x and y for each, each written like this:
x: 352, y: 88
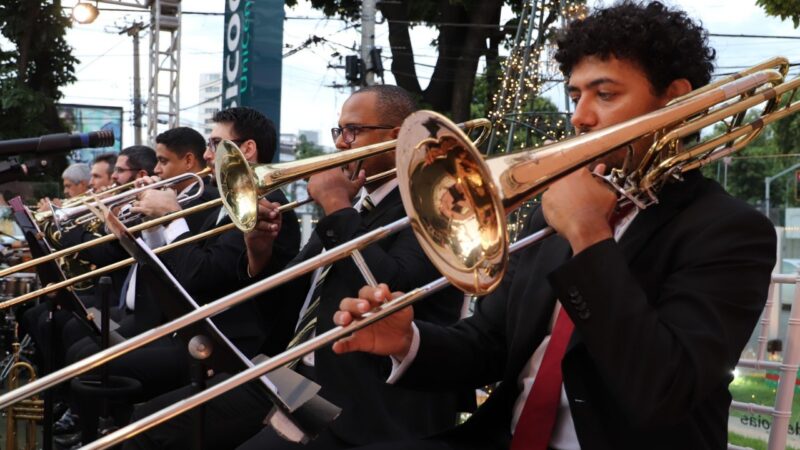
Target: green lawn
x: 754, y: 443
x: 759, y: 390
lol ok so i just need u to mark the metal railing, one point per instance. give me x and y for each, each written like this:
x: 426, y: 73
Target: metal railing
x: 781, y: 411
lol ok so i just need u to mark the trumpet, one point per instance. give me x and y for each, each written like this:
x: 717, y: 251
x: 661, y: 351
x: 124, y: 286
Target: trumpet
x: 66, y: 218
x: 435, y: 154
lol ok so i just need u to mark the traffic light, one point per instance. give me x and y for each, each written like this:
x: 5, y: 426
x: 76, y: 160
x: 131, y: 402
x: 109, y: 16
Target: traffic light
x: 353, y: 69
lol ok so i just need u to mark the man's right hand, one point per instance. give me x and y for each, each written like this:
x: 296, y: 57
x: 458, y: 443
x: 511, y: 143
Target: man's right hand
x: 390, y: 336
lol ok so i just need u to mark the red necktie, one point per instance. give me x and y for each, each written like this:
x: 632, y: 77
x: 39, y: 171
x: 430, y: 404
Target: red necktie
x: 538, y: 417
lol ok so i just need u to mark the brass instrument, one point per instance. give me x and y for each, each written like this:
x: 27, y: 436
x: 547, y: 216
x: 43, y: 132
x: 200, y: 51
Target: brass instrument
x: 241, y: 183
x: 290, y: 171
x: 478, y: 248
x: 84, y: 277
x: 28, y: 411
x: 77, y: 214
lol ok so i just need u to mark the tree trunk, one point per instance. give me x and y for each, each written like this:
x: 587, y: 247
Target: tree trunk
x: 403, y: 68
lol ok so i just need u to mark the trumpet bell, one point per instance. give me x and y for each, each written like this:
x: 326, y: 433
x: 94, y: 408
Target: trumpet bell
x: 447, y: 193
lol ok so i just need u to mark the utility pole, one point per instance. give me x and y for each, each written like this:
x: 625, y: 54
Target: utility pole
x: 134, y: 31
x: 368, y: 40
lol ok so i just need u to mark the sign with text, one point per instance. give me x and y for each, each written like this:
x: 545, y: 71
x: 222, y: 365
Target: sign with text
x: 252, y: 56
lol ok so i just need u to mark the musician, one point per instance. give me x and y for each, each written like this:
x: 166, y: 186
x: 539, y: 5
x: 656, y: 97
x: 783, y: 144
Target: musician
x: 76, y: 179
x: 136, y: 161
x: 207, y: 269
x: 132, y: 162
x: 662, y: 300
x: 102, y: 171
x: 375, y: 411
x: 178, y: 151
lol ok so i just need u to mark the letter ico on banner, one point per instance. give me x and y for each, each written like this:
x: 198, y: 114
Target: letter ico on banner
x: 251, y: 74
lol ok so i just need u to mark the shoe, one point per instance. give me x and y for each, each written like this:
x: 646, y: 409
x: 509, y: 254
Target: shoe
x: 106, y: 426
x: 67, y: 424
x: 60, y: 408
x: 67, y: 441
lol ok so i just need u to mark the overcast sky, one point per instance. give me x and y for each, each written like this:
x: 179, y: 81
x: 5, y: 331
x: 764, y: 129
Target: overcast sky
x: 105, y: 73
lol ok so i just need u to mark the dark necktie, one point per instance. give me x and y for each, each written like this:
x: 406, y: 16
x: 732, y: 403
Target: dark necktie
x: 307, y: 323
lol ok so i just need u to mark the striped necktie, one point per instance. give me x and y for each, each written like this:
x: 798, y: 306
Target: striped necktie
x: 308, y: 322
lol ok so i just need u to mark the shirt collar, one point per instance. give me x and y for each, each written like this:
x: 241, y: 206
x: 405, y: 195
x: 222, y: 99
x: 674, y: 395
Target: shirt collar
x: 378, y: 194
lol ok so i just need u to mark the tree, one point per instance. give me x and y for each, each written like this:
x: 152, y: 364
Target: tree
x: 468, y: 30
x: 33, y: 72
x: 305, y: 149
x: 785, y: 9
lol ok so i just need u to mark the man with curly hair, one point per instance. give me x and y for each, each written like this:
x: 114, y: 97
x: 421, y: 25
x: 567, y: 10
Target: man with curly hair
x: 621, y: 332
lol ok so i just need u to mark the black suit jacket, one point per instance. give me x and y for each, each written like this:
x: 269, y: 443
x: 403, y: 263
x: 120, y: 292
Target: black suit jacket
x: 660, y: 320
x: 111, y: 252
x: 208, y: 271
x: 372, y: 411
x: 147, y: 313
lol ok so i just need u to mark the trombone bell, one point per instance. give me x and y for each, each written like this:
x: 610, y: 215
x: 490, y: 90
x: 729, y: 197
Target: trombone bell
x: 447, y: 191
x: 237, y: 185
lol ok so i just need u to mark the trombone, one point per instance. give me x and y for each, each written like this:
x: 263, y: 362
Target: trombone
x: 280, y: 174
x: 445, y: 152
x: 241, y: 184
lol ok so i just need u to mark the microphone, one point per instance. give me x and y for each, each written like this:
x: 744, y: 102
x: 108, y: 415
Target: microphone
x: 57, y: 143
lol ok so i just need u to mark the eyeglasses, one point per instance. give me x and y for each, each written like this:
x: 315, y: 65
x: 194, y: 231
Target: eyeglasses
x: 212, y: 143
x: 349, y: 132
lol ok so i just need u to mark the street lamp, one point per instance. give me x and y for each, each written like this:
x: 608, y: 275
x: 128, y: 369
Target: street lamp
x: 84, y: 12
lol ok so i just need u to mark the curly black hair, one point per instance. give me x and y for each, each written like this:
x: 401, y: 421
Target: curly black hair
x: 664, y: 42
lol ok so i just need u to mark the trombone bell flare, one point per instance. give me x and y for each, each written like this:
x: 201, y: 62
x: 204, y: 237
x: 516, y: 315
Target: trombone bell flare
x: 240, y: 194
x: 447, y: 192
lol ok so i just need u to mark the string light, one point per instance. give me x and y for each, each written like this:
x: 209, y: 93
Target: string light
x: 522, y: 81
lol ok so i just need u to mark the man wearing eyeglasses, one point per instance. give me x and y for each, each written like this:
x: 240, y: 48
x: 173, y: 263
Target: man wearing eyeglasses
x: 303, y: 307
x: 132, y: 163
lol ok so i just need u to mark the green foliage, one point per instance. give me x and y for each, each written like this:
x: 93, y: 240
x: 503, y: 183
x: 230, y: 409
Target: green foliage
x: 772, y: 152
x: 785, y: 9
x: 307, y: 149
x: 33, y: 71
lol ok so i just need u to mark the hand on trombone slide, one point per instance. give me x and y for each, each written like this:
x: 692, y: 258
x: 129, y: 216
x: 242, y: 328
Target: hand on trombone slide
x: 390, y: 336
x: 259, y: 241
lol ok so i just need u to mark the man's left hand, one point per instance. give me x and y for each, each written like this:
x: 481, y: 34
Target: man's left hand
x: 579, y: 207
x: 155, y: 203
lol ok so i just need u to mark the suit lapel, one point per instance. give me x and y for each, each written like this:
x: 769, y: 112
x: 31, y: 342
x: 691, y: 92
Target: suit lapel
x: 389, y: 203
x: 672, y: 199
